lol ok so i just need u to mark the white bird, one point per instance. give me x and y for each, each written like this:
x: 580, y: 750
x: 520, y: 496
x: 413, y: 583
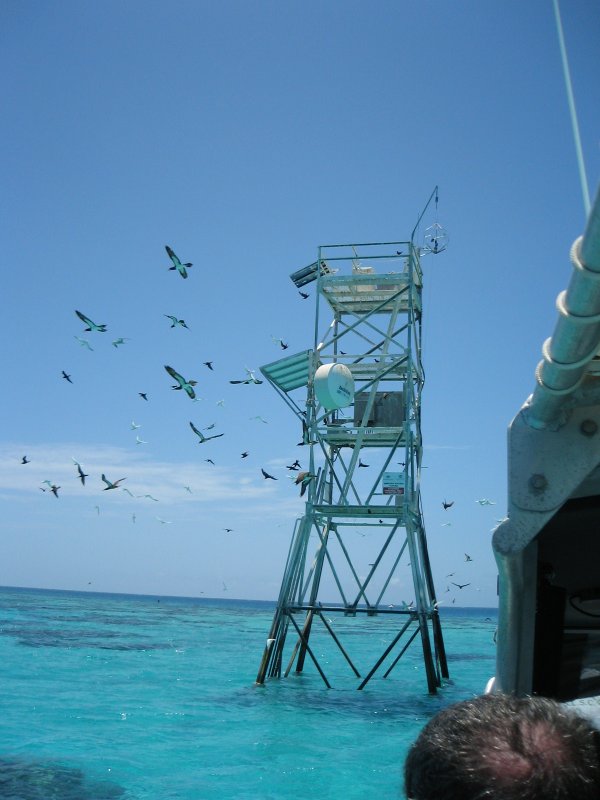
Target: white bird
x: 250, y: 379
x: 140, y: 441
x: 485, y: 502
x: 134, y: 426
x: 164, y: 521
x: 260, y: 419
x: 84, y: 343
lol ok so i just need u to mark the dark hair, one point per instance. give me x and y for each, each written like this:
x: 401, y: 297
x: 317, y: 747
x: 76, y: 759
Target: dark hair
x: 504, y: 748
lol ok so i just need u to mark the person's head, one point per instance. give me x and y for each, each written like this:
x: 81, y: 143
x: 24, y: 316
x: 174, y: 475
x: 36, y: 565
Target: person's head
x: 500, y: 747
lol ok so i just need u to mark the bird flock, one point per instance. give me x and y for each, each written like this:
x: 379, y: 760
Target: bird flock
x: 446, y: 505
x: 185, y: 385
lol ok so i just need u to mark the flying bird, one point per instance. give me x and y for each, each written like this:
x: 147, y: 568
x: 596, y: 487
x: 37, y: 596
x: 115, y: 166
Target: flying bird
x: 468, y: 557
x: 208, y: 364
x: 447, y: 504
x: 120, y: 340
x: 149, y: 496
x: 134, y: 426
x: 228, y: 530
x: 267, y: 476
x: 181, y: 268
x: 140, y: 441
x: 182, y: 383
x: 485, y: 502
x: 303, y: 295
x: 82, y: 475
x: 187, y: 488
x: 280, y: 342
x: 91, y: 326
x: 303, y: 478
x: 294, y: 466
x: 210, y: 461
x: 66, y: 377
x: 202, y: 437
x: 250, y: 379
x: 84, y: 343
x: 110, y: 484
x: 54, y: 489
x: 125, y: 489
x: 245, y: 454
x: 360, y: 463
x: 260, y: 419
x: 164, y: 521
x: 460, y: 585
x: 175, y: 322
x: 25, y: 460
x: 143, y: 395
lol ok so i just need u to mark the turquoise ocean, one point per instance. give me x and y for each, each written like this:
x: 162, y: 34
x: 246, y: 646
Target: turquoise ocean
x: 150, y: 698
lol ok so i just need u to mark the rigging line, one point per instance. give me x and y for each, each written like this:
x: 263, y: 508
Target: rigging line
x: 563, y: 52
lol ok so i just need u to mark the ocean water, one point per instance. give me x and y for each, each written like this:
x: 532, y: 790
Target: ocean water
x: 146, y: 698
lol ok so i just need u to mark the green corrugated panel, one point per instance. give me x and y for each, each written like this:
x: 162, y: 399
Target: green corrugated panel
x: 290, y: 372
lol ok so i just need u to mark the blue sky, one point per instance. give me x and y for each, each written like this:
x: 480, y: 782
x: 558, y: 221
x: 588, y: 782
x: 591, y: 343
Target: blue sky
x: 245, y: 135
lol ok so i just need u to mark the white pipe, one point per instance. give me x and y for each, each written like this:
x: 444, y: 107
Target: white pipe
x: 576, y: 339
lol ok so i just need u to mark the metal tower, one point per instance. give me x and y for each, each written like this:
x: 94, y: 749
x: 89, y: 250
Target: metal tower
x: 361, y: 424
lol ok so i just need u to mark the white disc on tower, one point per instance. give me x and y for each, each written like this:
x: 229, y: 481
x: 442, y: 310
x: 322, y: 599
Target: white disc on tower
x: 334, y: 386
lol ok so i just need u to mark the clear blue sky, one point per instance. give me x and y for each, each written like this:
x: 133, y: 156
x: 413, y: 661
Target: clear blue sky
x: 245, y: 135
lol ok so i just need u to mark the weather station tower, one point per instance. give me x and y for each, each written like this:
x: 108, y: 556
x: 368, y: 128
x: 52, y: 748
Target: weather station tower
x: 361, y: 540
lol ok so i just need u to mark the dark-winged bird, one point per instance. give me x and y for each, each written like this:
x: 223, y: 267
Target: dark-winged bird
x: 447, y: 504
x: 110, y: 484
x: 303, y: 478
x: 25, y: 460
x: 303, y: 295
x: 143, y: 395
x: 460, y: 585
x: 66, y: 377
x: 250, y: 379
x: 182, y: 383
x: 360, y: 463
x: 468, y: 557
x: 201, y: 436
x: 181, y: 268
x: 208, y: 364
x: 82, y: 475
x: 54, y: 489
x: 267, y: 476
x: 91, y: 326
x: 245, y: 454
x: 175, y: 321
